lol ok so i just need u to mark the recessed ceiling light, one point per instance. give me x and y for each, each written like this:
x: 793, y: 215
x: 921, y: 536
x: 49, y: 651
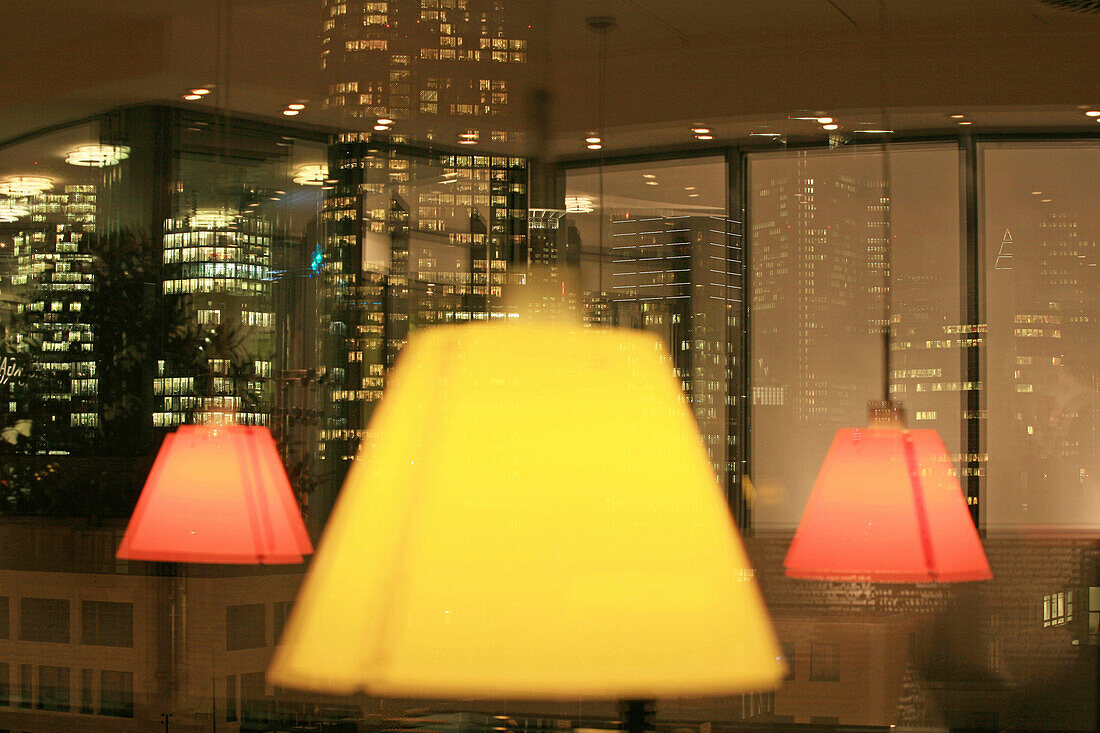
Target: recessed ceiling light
x: 192, y: 97
x: 830, y: 126
x: 1046, y: 201
x: 689, y: 188
x: 296, y: 105
x: 704, y: 137
x: 381, y: 128
x: 201, y: 91
x: 651, y: 183
x: 594, y: 146
x: 592, y: 139
x: 385, y: 121
x: 824, y: 120
x: 874, y: 131
x: 1092, y: 113
x: 291, y: 112
x: 693, y: 195
x: 648, y: 175
x: 701, y: 130
x: 467, y: 141
x: 957, y: 116
x: 965, y: 122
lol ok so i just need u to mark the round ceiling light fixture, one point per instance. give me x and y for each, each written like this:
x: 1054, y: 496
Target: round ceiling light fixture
x: 1074, y: 6
x: 18, y: 186
x: 10, y: 212
x: 311, y: 175
x: 97, y: 156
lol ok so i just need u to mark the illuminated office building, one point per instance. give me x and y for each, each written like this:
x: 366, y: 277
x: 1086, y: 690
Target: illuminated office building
x: 52, y: 278
x: 1053, y: 276
x: 414, y: 238
x: 680, y: 276
x: 218, y: 266
x: 439, y: 65
x: 812, y: 243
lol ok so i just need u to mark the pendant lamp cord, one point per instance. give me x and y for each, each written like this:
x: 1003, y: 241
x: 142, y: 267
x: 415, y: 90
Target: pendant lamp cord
x: 599, y: 131
x: 886, y: 200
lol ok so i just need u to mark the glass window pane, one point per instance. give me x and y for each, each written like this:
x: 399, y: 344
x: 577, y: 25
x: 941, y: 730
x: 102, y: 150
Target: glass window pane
x: 1042, y: 275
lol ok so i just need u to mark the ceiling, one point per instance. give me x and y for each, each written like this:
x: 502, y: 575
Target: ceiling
x: 733, y: 65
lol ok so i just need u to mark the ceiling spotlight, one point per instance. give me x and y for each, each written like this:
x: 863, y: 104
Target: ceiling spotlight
x: 201, y: 91
x: 385, y: 121
x: 381, y: 128
x: 593, y: 146
x: 824, y: 120
x: 592, y: 139
x: 192, y: 97
x: 701, y: 130
x: 296, y: 105
x: 830, y: 126
x: 97, y: 156
x: 291, y: 112
x: 704, y: 137
x: 1092, y: 113
x: 957, y: 116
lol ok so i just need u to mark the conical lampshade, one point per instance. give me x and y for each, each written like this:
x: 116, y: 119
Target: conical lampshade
x: 218, y: 495
x: 887, y: 507
x: 532, y: 515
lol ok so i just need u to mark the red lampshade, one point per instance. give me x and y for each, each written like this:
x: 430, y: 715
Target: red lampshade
x: 887, y: 507
x: 217, y: 494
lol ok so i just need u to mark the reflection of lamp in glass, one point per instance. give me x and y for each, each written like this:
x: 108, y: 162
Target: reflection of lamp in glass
x: 217, y: 494
x: 20, y: 186
x: 532, y: 514
x: 97, y: 156
x: 10, y: 212
x: 311, y: 175
x: 887, y: 507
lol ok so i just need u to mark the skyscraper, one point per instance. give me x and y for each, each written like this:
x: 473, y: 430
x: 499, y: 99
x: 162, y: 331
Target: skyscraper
x: 440, y: 68
x: 52, y: 277
x: 680, y: 276
x: 414, y: 237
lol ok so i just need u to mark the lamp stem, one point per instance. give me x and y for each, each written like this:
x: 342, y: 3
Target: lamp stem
x: 887, y: 202
x: 633, y: 714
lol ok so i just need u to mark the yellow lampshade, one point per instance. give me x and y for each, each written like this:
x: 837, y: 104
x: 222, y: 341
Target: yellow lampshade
x: 532, y: 514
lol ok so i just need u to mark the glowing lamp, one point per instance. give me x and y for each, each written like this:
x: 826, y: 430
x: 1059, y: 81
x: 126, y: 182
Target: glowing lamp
x: 532, y: 514
x: 97, y: 156
x: 217, y: 494
x: 887, y: 507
